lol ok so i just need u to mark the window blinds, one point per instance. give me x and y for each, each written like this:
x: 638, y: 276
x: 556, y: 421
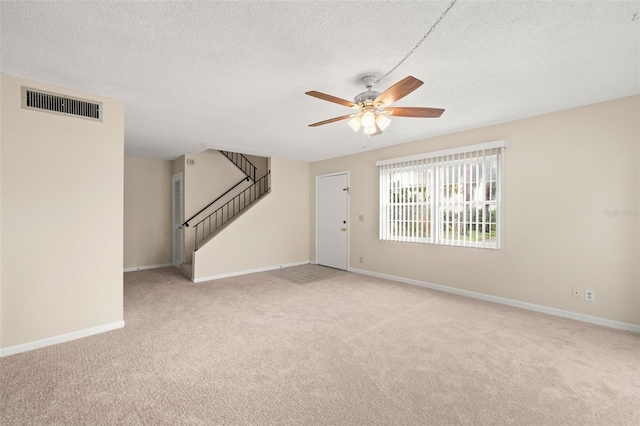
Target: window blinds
x: 450, y: 197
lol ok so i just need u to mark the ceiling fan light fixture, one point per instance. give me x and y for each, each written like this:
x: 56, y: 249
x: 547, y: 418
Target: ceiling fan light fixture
x: 382, y: 121
x: 370, y: 130
x: 355, y: 123
x: 368, y: 119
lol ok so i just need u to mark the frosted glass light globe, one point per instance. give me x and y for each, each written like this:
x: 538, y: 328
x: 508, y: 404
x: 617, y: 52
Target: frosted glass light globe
x: 368, y: 119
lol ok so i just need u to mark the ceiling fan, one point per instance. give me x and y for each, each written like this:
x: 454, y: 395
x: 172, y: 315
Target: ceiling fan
x: 372, y: 106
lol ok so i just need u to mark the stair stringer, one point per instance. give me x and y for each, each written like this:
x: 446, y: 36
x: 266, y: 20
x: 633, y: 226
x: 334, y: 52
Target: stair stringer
x: 235, y: 239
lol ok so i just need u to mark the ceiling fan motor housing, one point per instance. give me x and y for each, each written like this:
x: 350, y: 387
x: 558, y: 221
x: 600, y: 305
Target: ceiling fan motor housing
x: 366, y: 97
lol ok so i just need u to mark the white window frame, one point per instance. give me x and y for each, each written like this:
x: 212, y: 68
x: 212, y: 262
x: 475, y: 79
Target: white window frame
x: 396, y: 219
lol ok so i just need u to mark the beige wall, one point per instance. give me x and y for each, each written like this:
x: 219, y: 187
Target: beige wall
x: 275, y: 231
x: 1, y: 80
x: 147, y: 212
x: 562, y: 171
x: 62, y: 218
x: 178, y: 165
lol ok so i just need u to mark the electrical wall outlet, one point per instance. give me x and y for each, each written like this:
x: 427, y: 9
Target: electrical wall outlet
x: 577, y: 293
x: 589, y: 295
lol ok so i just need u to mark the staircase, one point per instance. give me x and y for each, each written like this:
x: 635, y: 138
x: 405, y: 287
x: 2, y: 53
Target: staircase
x: 208, y: 227
x: 224, y: 215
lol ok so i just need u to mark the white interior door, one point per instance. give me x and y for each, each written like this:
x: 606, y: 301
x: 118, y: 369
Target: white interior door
x: 177, y: 217
x: 332, y: 213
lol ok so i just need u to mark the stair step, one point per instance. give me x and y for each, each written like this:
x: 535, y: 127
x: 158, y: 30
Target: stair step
x: 187, y: 270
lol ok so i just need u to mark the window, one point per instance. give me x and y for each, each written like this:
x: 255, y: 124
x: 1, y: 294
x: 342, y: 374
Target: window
x: 450, y: 197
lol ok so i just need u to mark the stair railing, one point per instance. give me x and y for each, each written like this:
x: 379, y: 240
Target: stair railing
x: 242, y: 163
x: 186, y: 223
x: 224, y: 214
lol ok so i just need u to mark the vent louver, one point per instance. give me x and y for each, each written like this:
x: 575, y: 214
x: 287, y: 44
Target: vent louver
x: 61, y: 104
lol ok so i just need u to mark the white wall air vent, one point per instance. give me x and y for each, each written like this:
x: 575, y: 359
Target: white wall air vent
x: 61, y: 104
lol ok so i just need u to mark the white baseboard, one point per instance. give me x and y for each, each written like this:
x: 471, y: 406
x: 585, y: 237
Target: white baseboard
x: 516, y: 303
x: 249, y: 271
x: 142, y: 268
x: 12, y: 350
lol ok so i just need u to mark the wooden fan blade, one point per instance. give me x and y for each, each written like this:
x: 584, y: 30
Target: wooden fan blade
x: 330, y: 98
x: 331, y: 120
x: 414, y: 112
x: 398, y: 90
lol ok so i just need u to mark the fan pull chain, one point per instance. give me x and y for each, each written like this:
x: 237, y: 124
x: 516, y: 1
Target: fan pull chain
x: 420, y: 42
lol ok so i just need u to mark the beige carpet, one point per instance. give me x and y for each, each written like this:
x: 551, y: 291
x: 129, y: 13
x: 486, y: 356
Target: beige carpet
x: 340, y: 349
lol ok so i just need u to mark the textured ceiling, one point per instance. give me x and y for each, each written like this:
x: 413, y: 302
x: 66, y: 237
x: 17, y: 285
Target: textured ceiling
x: 232, y: 75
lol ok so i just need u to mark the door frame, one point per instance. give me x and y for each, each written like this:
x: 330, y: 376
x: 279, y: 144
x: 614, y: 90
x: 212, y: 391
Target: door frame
x: 346, y: 172
x: 177, y: 177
